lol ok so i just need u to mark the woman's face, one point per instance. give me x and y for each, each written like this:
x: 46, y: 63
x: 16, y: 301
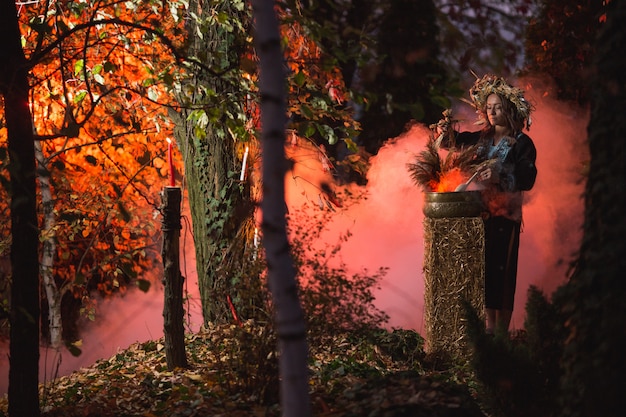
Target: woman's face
x: 494, y: 111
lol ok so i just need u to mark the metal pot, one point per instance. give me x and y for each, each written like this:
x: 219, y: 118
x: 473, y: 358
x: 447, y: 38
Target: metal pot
x: 453, y: 204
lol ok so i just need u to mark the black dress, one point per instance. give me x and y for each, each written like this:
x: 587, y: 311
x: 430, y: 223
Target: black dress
x: 514, y: 172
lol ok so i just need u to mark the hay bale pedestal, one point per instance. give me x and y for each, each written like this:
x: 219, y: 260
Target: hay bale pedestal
x: 454, y: 270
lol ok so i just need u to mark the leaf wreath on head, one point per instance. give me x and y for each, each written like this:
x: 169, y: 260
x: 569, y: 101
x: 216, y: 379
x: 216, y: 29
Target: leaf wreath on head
x: 490, y: 84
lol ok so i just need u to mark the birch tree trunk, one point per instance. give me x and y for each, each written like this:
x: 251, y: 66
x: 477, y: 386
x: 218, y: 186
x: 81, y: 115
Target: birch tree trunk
x: 289, y: 316
x: 54, y: 294
x: 24, y: 315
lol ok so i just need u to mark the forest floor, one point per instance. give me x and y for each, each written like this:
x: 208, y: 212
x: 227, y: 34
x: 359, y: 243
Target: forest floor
x: 233, y: 372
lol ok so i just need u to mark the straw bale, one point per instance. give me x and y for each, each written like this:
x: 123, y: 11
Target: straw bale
x: 453, y: 271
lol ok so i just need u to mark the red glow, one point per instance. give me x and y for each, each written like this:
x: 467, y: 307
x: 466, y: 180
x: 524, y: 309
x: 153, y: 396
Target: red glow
x: 233, y: 311
x: 449, y: 181
x: 386, y: 227
x: 170, y: 161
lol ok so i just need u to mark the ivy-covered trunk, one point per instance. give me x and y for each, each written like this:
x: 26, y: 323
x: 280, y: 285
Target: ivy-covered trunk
x: 207, y: 164
x: 212, y: 152
x: 594, y: 305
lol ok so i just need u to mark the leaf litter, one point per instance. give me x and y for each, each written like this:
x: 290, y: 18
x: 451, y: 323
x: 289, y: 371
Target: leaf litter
x: 372, y: 372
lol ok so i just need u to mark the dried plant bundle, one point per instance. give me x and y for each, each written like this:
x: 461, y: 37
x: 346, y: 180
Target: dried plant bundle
x: 429, y: 167
x: 453, y: 272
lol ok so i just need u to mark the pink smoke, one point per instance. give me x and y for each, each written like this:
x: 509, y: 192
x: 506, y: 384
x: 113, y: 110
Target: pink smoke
x: 387, y: 226
x: 387, y: 231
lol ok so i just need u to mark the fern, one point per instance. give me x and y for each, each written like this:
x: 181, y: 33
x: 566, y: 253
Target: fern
x: 429, y: 167
x: 426, y: 170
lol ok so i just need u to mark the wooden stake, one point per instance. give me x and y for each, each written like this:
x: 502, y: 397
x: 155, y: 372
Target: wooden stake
x: 173, y: 311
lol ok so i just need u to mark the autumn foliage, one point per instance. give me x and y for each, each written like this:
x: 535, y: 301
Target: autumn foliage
x: 100, y: 75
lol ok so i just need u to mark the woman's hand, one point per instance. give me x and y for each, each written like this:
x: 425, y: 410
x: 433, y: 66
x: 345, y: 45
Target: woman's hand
x: 485, y: 175
x: 490, y: 172
x: 441, y: 129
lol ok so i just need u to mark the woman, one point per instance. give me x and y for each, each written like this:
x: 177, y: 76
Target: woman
x: 510, y: 170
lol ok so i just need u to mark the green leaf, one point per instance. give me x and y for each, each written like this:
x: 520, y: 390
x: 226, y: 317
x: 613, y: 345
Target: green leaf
x: 308, y: 130
x: 299, y: 79
x: 328, y: 133
x: 168, y: 79
x: 306, y: 111
x: 351, y: 145
x: 143, y: 285
x: 223, y: 17
x: 79, y: 66
x: 80, y: 96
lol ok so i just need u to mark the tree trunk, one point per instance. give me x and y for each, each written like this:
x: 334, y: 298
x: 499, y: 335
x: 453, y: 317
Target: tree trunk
x: 54, y: 294
x: 218, y: 202
x: 173, y: 311
x: 594, y: 361
x: 24, y: 333
x: 290, y: 323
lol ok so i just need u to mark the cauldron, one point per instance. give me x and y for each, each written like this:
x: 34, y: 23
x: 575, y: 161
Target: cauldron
x: 453, y: 204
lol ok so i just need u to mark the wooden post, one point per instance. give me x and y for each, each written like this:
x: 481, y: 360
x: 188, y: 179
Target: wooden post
x: 453, y: 273
x: 454, y: 269
x: 173, y: 311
